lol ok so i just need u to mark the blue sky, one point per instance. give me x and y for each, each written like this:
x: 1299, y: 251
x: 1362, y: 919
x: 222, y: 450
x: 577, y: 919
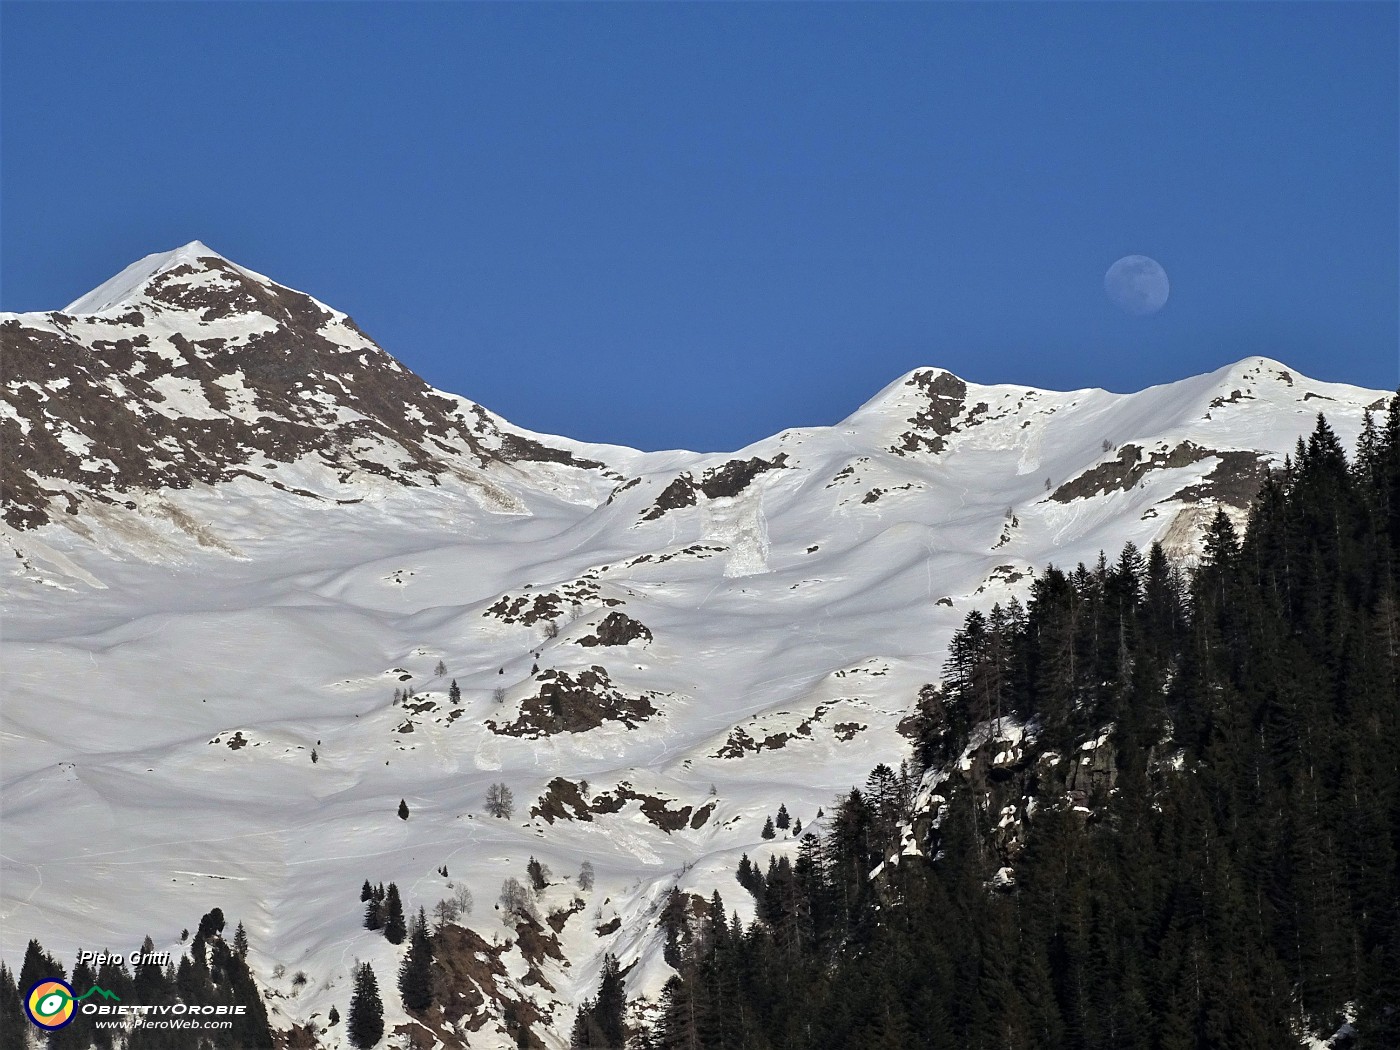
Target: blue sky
x: 695, y: 225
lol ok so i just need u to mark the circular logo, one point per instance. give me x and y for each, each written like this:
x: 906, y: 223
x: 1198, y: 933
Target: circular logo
x: 50, y: 1004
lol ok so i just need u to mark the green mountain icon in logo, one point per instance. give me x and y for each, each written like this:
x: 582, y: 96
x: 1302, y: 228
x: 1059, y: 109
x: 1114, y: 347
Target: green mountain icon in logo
x: 94, y: 990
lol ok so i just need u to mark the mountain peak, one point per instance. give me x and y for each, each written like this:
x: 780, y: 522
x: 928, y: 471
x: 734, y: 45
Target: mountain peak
x: 121, y: 291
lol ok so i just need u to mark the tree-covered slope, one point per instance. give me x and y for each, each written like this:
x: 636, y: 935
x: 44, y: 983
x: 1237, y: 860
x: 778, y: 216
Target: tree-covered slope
x: 1161, y: 811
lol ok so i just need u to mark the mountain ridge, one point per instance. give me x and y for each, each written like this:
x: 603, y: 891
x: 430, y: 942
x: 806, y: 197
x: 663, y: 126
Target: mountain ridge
x: 649, y: 633
x: 195, y: 324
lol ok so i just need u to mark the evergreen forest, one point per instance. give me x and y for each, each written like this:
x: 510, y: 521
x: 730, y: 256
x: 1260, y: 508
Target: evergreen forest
x: 1228, y: 882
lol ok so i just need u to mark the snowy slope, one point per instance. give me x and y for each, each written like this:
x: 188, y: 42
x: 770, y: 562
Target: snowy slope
x: 188, y: 617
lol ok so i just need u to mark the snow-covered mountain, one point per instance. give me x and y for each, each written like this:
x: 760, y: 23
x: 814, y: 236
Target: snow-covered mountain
x: 239, y: 527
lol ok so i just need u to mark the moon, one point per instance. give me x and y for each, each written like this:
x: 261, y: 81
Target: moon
x: 1137, y: 285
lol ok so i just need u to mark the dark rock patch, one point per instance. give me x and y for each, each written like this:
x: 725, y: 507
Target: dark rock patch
x: 476, y: 991
x: 657, y: 810
x: 536, y: 945
x: 740, y: 741
x: 736, y: 475
x: 928, y: 427
x: 727, y: 480
x: 617, y: 628
x: 1235, y: 480
x: 696, y: 550
x: 530, y: 609
x: 1235, y: 396
x: 1131, y: 466
x: 841, y: 475
x: 1007, y: 574
x: 562, y: 800
x: 679, y: 493
x: 560, y: 917
x: 516, y: 447
x: 569, y: 704
x: 620, y: 489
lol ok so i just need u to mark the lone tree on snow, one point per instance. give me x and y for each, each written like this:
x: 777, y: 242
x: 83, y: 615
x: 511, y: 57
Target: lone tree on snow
x: 500, y: 801
x: 515, y: 902
x: 539, y: 874
x: 403, y: 810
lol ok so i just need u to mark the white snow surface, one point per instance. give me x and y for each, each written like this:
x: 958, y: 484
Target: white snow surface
x: 124, y: 291
x: 798, y: 615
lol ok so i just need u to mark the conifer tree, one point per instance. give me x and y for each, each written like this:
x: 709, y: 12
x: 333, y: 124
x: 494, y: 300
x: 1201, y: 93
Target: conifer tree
x: 611, y: 1005
x: 374, y: 919
x: 677, y: 1022
x: 454, y: 694
x: 366, y: 1025
x: 674, y: 921
x: 416, y: 970
x: 394, y: 928
x: 768, y: 831
x: 403, y: 810
x: 38, y: 965
x: 538, y: 873
x: 12, y: 1020
x: 1244, y: 890
x: 748, y: 876
x: 585, y: 1035
x: 250, y: 1028
x: 210, y: 925
x: 784, y: 820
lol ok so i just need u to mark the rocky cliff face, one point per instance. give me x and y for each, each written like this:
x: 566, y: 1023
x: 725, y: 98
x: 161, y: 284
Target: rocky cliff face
x: 1011, y: 774
x: 203, y: 372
